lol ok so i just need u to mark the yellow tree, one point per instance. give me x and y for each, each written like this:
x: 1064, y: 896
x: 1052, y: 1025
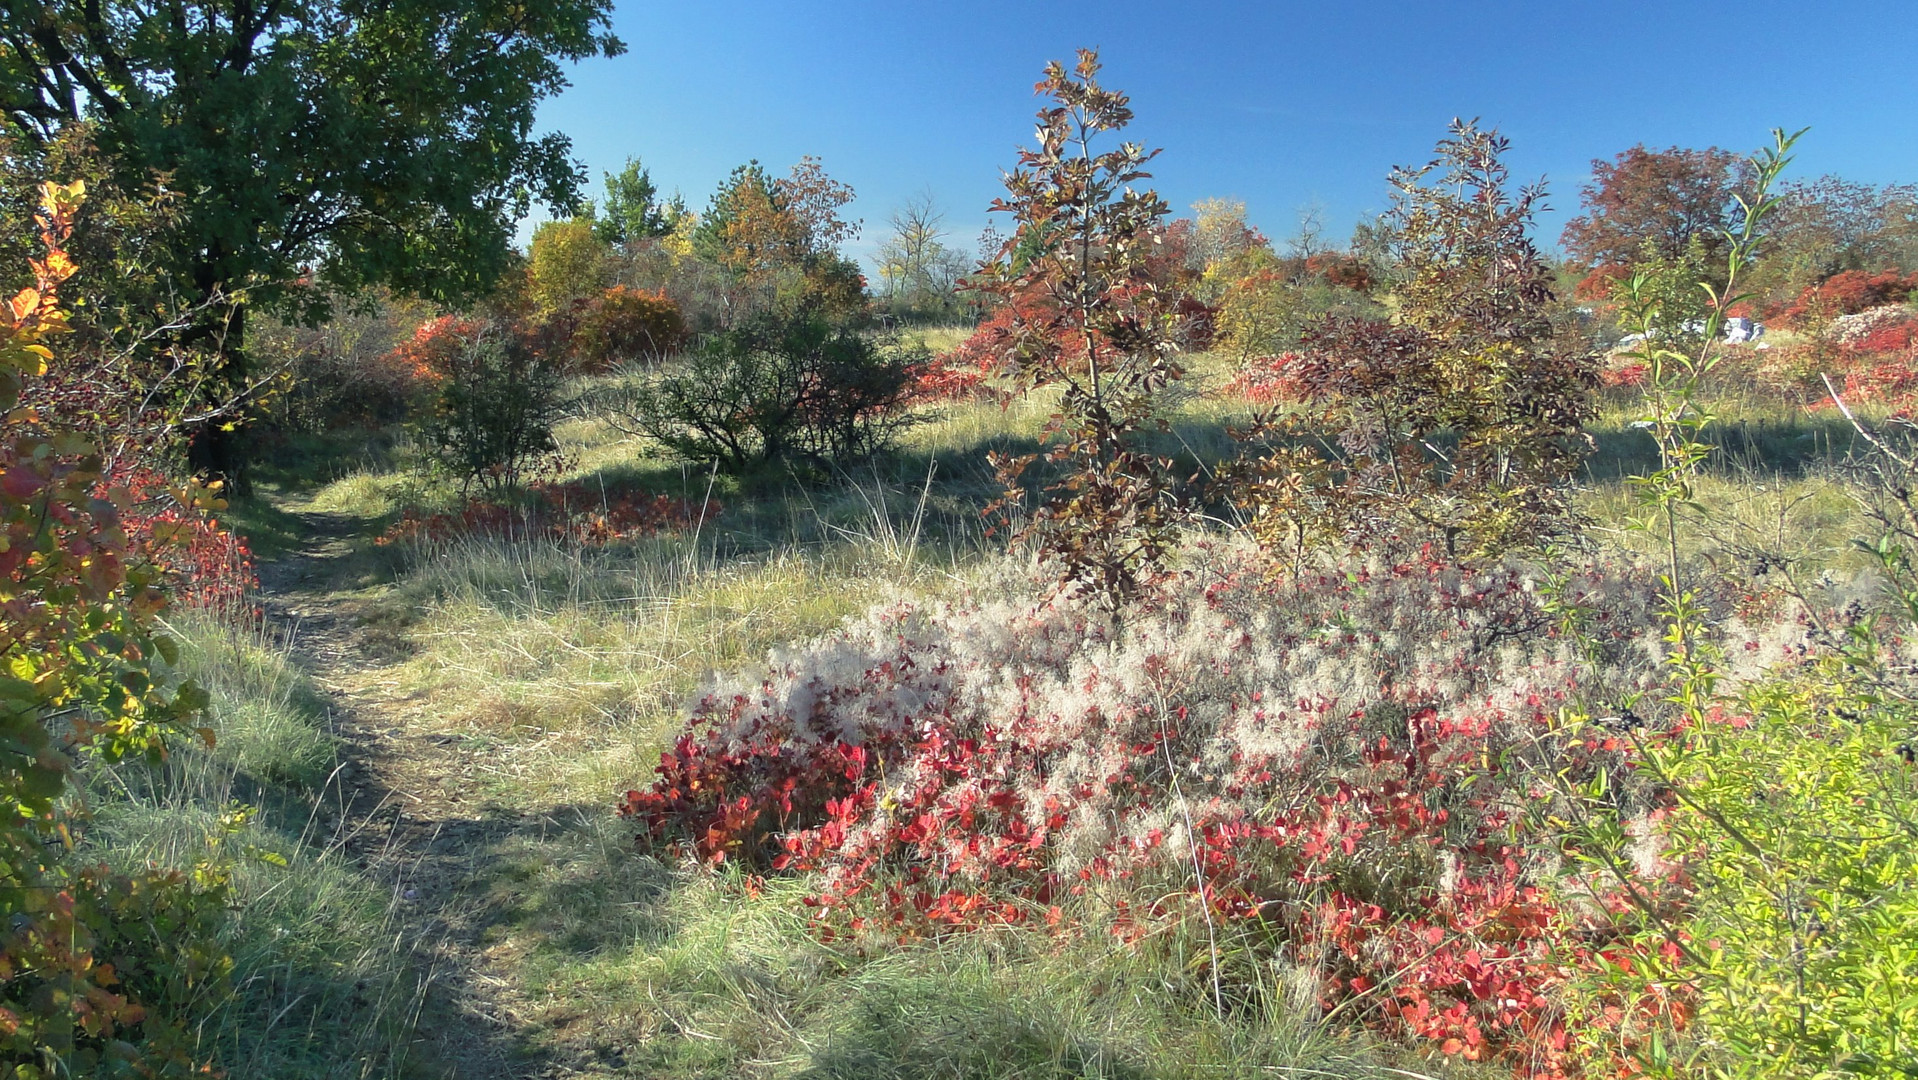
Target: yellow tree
x: 568, y: 263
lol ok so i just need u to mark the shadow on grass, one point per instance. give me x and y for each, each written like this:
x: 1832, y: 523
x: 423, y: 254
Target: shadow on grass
x: 967, y: 1032
x: 944, y: 491
x: 697, y: 974
x: 1770, y: 447
x: 270, y: 530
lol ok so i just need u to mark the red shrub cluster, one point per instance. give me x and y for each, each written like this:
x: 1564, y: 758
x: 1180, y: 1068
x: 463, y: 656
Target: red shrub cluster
x: 426, y: 358
x: 1269, y: 380
x: 569, y: 513
x: 1598, y: 285
x: 1847, y: 293
x: 1876, y: 354
x: 963, y: 372
x: 208, y: 566
x: 1353, y: 759
x: 1893, y: 337
x: 1622, y: 376
x: 1341, y: 268
x: 948, y: 377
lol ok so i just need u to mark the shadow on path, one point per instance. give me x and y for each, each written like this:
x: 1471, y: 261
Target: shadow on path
x: 401, y: 808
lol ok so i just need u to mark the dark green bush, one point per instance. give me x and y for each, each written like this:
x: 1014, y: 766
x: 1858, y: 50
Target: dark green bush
x: 789, y: 390
x: 498, y: 401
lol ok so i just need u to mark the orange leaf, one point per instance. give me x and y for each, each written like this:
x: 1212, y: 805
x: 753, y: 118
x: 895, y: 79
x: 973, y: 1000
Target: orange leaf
x: 23, y: 303
x: 58, y: 266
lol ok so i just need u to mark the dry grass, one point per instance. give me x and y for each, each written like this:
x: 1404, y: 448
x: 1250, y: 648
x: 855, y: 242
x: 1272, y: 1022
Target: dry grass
x: 325, y: 987
x: 581, y: 661
x: 569, y: 670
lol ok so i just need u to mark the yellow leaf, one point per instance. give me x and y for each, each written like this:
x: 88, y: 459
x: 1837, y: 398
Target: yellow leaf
x: 23, y: 303
x: 59, y: 267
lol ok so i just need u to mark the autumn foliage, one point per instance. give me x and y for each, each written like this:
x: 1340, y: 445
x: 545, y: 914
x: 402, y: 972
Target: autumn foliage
x: 1462, y: 420
x: 1091, y: 319
x: 623, y: 325
x: 566, y: 513
x: 84, y: 952
x: 1346, y: 768
x: 1847, y: 293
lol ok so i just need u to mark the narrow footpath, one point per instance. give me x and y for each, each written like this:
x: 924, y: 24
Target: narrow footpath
x: 395, y: 804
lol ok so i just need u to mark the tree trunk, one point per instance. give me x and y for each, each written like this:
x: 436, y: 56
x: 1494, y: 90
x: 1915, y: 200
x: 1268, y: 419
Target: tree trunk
x: 216, y: 447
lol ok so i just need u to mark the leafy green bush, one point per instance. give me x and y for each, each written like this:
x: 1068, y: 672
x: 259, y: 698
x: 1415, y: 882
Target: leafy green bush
x: 1801, y: 822
x: 495, y: 411
x: 1789, y: 809
x: 779, y: 390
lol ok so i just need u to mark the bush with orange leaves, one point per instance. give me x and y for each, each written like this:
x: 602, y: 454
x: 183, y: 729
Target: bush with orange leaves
x: 100, y: 973
x: 626, y: 325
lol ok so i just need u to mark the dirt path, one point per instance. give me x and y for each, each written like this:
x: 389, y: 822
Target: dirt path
x: 398, y: 803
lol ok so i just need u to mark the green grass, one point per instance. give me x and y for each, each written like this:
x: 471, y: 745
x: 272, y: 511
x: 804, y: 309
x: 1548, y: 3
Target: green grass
x: 572, y: 669
x: 646, y: 970
x: 322, y: 988
x: 599, y: 650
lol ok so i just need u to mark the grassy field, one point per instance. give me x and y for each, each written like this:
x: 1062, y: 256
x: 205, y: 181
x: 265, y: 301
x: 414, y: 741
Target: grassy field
x: 503, y: 694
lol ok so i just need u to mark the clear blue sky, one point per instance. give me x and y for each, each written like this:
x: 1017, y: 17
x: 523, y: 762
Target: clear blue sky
x: 1280, y: 104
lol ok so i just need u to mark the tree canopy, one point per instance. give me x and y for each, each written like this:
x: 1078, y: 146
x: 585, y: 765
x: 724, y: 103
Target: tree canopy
x: 633, y: 210
x: 355, y: 142
x: 1666, y: 197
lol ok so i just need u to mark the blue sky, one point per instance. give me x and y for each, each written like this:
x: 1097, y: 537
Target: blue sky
x: 1283, y: 105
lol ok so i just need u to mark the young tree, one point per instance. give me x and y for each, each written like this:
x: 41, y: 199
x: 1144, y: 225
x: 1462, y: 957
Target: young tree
x: 366, y: 143
x: 745, y: 229
x: 633, y: 210
x: 494, y: 414
x: 1665, y: 197
x: 567, y: 263
x: 1089, y: 318
x: 1462, y: 421
x: 919, y: 269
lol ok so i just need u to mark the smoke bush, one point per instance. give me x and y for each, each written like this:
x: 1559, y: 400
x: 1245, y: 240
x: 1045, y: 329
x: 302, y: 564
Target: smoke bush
x: 1352, y: 764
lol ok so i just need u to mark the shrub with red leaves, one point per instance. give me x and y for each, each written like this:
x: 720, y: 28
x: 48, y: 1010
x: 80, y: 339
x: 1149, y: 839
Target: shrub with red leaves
x: 950, y: 377
x: 1269, y: 380
x: 1624, y: 376
x: 208, y: 567
x: 1847, y: 293
x: 964, y: 372
x: 1341, y: 268
x: 567, y: 513
x: 434, y: 348
x: 1357, y: 761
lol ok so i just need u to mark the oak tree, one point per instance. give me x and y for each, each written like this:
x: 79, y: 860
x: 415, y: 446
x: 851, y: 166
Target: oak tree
x: 329, y: 140
x: 1088, y: 319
